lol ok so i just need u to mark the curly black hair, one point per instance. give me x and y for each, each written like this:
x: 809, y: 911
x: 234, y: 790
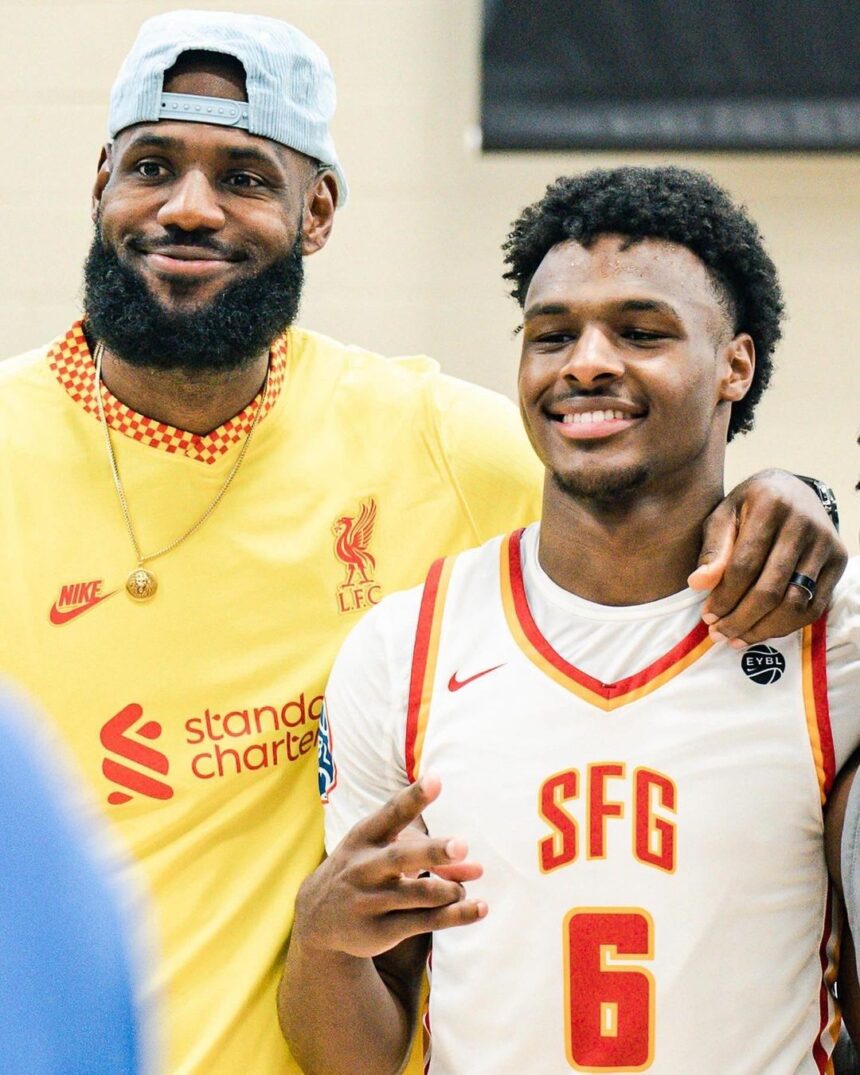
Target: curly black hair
x: 676, y: 205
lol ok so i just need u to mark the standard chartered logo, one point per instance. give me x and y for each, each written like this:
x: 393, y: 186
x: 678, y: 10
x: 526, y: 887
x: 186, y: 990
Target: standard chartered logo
x: 237, y: 741
x: 228, y: 743
x: 123, y: 736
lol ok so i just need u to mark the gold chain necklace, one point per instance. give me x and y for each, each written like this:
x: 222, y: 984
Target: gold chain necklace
x: 141, y: 584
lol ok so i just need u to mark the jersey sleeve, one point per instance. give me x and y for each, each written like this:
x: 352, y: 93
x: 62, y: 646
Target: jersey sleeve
x: 491, y: 463
x: 843, y: 663
x: 361, y: 746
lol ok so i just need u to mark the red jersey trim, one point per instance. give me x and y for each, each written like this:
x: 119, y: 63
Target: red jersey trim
x: 70, y: 359
x: 424, y: 656
x: 814, y: 657
x: 606, y: 696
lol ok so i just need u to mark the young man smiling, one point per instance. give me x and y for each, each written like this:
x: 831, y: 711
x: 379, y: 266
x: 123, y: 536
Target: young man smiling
x: 643, y: 805
x: 199, y: 498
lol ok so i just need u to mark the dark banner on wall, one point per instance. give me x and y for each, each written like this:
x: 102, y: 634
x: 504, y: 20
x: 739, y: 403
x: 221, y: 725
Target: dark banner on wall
x: 671, y: 74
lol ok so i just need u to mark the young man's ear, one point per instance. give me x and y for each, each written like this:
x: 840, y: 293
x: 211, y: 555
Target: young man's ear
x: 740, y: 368
x: 102, y: 176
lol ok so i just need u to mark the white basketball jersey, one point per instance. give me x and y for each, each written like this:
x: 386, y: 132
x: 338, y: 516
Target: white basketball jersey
x: 652, y: 848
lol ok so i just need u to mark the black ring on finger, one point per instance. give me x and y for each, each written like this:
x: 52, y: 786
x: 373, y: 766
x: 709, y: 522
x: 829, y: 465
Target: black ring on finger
x: 805, y: 583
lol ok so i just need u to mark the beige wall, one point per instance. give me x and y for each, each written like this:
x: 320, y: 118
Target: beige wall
x: 414, y: 263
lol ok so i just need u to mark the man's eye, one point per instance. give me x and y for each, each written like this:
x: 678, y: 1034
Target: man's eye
x: 150, y: 169
x: 245, y: 180
x: 554, y: 337
x: 640, y: 335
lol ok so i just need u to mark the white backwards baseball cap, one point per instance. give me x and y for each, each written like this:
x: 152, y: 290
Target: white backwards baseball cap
x: 288, y: 80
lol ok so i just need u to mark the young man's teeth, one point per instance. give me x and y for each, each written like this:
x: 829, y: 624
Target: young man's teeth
x: 590, y: 416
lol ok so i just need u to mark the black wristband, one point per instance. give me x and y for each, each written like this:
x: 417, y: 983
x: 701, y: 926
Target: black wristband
x: 825, y: 494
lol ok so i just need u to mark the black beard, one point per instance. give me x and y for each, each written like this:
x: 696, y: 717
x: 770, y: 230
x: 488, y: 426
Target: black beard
x: 224, y: 335
x: 604, y: 490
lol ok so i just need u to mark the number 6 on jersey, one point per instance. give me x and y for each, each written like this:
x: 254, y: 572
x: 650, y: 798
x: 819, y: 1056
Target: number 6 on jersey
x: 609, y: 1007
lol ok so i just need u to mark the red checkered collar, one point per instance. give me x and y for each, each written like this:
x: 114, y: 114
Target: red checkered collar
x: 70, y: 359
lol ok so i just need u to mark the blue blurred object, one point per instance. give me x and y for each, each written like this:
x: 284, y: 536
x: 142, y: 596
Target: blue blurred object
x: 66, y: 989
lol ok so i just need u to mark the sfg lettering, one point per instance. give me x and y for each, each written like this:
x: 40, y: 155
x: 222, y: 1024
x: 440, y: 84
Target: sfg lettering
x: 603, y: 795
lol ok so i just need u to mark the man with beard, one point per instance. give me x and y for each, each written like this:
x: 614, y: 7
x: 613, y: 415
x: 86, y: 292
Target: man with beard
x: 199, y: 500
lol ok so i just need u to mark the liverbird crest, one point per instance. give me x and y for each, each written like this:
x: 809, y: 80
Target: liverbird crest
x: 352, y: 536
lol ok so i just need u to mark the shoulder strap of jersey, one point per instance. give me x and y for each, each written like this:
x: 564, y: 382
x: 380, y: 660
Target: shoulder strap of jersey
x: 424, y: 656
x: 816, y: 703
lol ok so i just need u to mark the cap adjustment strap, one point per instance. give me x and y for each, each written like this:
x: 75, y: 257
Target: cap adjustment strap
x: 220, y: 110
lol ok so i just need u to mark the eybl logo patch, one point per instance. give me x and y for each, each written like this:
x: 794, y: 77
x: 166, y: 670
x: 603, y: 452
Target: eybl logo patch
x: 763, y: 664
x: 326, y: 769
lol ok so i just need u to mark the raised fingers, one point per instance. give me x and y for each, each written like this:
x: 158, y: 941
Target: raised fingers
x: 400, y: 811
x: 413, y: 854
x: 407, y: 893
x: 408, y: 923
x: 460, y: 871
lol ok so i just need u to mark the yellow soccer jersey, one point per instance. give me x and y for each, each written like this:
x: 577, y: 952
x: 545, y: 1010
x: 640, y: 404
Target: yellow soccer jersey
x: 194, y: 716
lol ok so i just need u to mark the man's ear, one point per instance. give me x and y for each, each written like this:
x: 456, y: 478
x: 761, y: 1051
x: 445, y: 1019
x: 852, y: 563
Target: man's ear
x: 739, y: 368
x: 318, y: 215
x: 102, y: 176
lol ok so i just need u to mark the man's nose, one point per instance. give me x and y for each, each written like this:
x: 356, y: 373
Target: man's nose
x: 593, y: 358
x: 192, y: 204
